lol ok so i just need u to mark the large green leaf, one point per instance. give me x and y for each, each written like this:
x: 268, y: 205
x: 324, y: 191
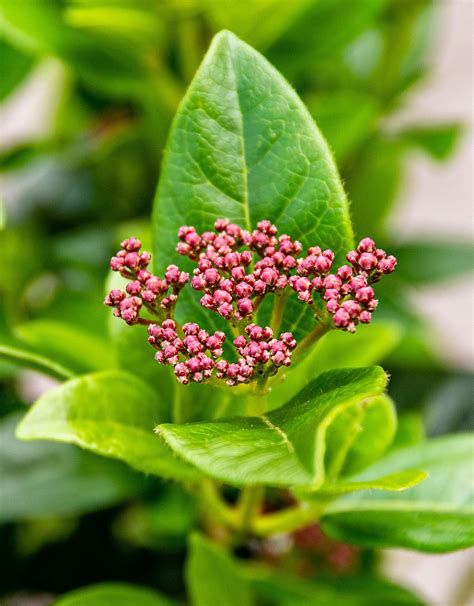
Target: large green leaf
x: 112, y: 594
x: 437, y: 515
x: 213, y: 578
x: 438, y: 141
x: 369, y: 345
x: 111, y: 413
x: 286, y: 447
x: 243, y: 146
x: 15, y: 67
x: 64, y: 480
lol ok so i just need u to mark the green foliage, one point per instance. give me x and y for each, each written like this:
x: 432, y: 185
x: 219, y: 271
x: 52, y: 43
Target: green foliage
x: 64, y: 480
x: 230, y: 139
x: 283, y: 589
x: 112, y: 594
x: 28, y: 359
x: 111, y: 413
x: 434, y: 516
x: 212, y: 576
x: 286, y: 447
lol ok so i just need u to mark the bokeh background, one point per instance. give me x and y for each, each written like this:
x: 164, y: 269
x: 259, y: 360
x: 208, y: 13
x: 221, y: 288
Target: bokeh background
x: 88, y: 91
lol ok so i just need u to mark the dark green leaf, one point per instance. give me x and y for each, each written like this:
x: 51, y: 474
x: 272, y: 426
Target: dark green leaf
x: 278, y: 588
x: 40, y: 480
x: 345, y: 118
x: 435, y: 516
x: 427, y: 262
x: 283, y: 448
x: 213, y: 578
x: 111, y: 413
x: 438, y: 141
x: 322, y: 31
x: 15, y: 67
x: 112, y: 594
x: 243, y: 146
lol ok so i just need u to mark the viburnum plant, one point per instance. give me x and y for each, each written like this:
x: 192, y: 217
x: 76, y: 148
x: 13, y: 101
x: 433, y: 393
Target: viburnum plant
x: 234, y: 286
x: 269, y: 422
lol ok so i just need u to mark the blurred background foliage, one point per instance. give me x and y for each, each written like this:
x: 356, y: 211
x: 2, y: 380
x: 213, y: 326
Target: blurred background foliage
x: 120, y: 69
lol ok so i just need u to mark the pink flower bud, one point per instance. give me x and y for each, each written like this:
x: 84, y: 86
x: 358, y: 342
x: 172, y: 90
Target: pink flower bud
x: 243, y: 290
x: 221, y: 224
x: 225, y: 310
x: 323, y: 264
x: 341, y: 318
x: 365, y: 294
x: 221, y: 296
x: 207, y: 301
x: 352, y: 256
x: 332, y: 306
x: 388, y: 264
x: 240, y: 342
x: 367, y: 245
x: 131, y: 244
x: 132, y: 260
x: 260, y: 287
x: 245, y: 306
x: 367, y: 261
x: 246, y: 257
x: 345, y: 272
x: 238, y: 273
x: 365, y: 317
x: 198, y: 283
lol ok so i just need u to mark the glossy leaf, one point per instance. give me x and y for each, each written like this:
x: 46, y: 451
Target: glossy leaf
x: 213, y: 578
x: 359, y: 436
x: 283, y: 448
x: 72, y: 346
x: 243, y: 146
x: 369, y: 345
x: 394, y: 482
x: 64, y: 480
x: 111, y: 413
x: 112, y: 594
x: 437, y: 515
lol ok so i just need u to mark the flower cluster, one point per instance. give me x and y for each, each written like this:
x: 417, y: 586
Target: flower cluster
x: 197, y: 355
x: 235, y: 270
x: 223, y: 273
x: 347, y: 293
x: 144, y: 289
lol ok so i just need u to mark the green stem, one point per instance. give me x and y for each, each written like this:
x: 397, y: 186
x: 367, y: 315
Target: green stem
x: 277, y: 313
x: 249, y: 505
x: 288, y: 520
x: 318, y: 331
x: 213, y: 505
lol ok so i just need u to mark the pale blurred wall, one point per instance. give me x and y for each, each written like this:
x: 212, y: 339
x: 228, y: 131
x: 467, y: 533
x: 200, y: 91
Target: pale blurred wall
x: 438, y: 198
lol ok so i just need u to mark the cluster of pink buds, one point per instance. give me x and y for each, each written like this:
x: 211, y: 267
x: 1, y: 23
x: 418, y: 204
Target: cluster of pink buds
x: 144, y: 289
x: 347, y: 293
x: 223, y: 274
x: 235, y: 270
x: 197, y: 355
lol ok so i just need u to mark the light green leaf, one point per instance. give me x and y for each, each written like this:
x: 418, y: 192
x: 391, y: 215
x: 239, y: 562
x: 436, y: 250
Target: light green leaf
x: 112, y: 594
x: 243, y: 146
x: 359, y: 436
x: 286, y: 447
x: 64, y: 480
x: 435, y: 516
x: 111, y: 413
x: 394, y: 482
x: 213, y: 578
x: 28, y: 359
x: 80, y: 350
